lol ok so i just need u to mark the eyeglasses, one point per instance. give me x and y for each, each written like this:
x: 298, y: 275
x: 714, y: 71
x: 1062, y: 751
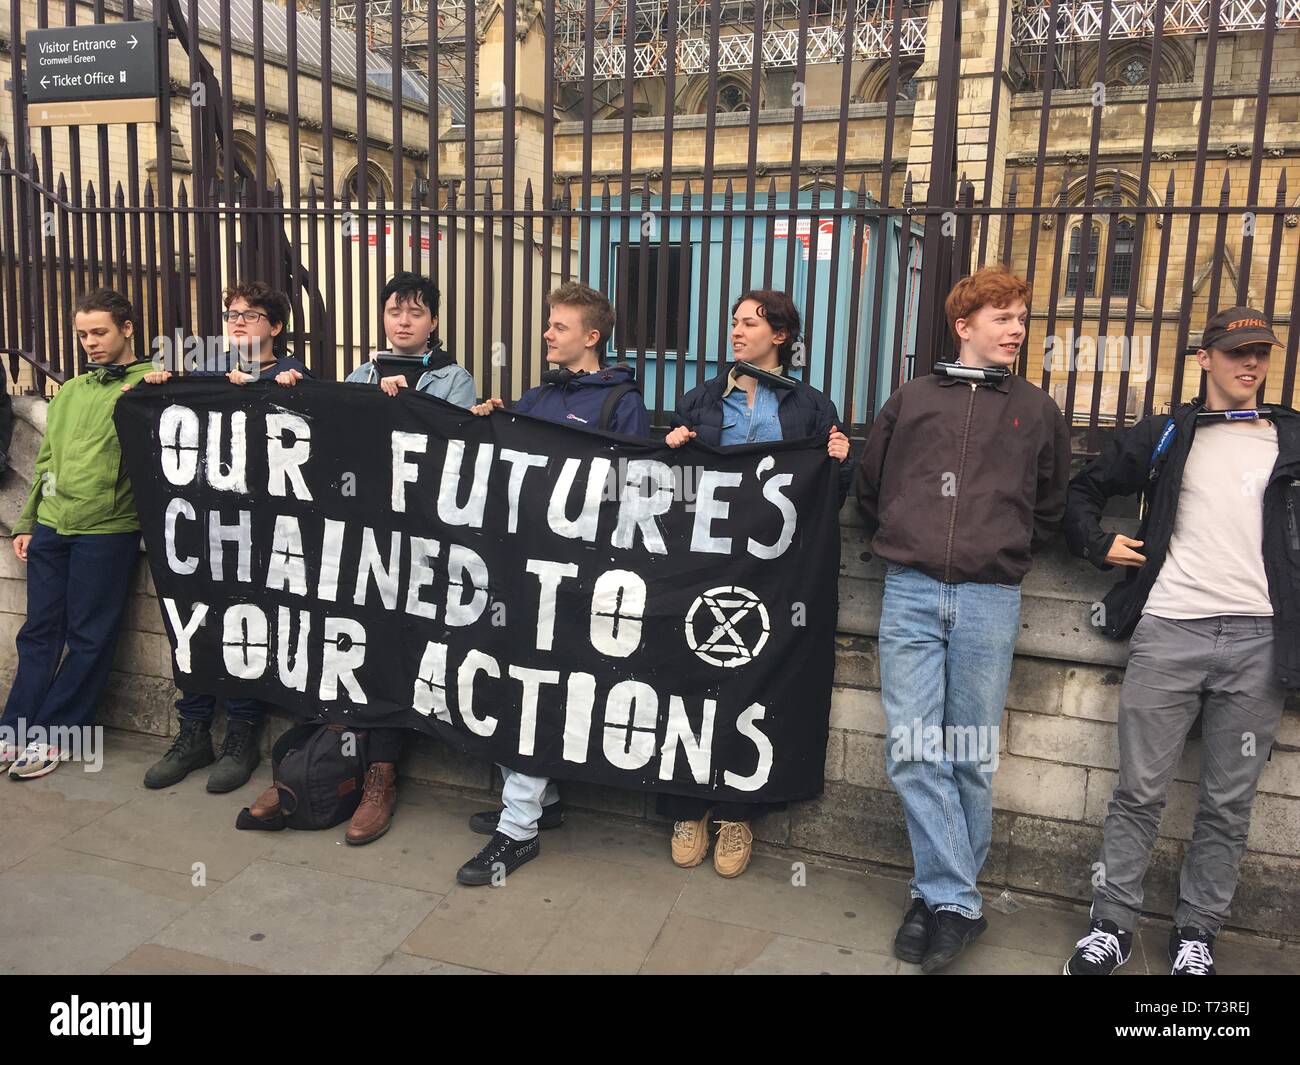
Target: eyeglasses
x: 243, y: 316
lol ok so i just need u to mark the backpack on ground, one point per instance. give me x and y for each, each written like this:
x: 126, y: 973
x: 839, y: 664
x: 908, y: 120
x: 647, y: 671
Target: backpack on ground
x: 319, y: 771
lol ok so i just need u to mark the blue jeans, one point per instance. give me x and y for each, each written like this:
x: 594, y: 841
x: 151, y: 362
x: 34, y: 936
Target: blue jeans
x: 945, y: 662
x: 76, y: 595
x: 193, y: 706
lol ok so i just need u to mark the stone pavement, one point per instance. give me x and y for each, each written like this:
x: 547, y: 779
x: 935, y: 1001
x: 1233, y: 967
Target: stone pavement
x: 98, y: 874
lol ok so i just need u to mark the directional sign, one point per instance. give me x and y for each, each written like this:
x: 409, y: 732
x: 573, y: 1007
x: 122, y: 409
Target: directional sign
x: 116, y: 61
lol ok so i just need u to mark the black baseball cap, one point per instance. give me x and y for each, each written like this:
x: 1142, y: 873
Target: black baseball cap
x: 1237, y: 326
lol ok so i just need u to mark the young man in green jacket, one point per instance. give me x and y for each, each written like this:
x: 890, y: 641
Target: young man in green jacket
x: 80, y: 538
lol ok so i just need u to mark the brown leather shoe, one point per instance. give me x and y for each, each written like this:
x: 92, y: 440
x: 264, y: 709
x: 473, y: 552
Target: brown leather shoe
x: 378, y: 797
x: 267, y: 805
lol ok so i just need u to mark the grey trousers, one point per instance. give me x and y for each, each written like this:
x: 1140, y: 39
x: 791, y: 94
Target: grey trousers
x: 1223, y: 665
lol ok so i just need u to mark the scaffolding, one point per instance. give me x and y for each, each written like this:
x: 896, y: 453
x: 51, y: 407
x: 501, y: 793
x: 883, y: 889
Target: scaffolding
x: 873, y: 35
x: 414, y: 15
x: 781, y: 43
x: 1081, y: 21
x: 413, y: 27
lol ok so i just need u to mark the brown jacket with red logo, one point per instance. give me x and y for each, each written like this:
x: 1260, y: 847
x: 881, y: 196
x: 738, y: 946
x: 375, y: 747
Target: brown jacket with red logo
x: 964, y: 481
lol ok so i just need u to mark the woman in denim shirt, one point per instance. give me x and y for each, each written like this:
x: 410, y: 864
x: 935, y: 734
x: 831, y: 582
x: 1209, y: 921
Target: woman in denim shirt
x: 739, y: 409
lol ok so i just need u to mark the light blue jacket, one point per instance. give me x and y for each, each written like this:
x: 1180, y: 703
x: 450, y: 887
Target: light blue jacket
x: 452, y: 382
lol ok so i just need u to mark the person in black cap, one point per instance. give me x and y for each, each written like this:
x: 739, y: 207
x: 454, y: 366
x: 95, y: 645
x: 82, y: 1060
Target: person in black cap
x: 1211, y: 600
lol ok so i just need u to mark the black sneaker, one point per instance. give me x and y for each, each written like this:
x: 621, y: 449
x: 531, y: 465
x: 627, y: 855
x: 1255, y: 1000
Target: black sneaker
x: 915, y: 933
x: 1103, y: 950
x: 190, y: 750
x: 501, y: 855
x: 485, y: 821
x: 953, y: 933
x: 1189, y: 951
x: 237, y: 758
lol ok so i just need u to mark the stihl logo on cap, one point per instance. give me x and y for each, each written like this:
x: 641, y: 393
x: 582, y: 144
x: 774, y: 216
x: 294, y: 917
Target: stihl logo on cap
x: 1245, y: 323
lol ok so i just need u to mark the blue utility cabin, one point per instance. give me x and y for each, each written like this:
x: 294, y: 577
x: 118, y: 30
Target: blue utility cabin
x: 623, y: 256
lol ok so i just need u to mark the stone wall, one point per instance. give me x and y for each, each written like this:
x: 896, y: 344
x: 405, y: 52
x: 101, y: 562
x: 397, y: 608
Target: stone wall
x: 1058, y: 751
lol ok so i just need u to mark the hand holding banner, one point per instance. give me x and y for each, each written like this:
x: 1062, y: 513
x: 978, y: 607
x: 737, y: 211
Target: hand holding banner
x: 568, y: 603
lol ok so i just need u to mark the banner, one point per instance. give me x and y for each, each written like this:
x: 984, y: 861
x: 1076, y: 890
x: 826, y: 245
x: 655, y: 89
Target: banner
x: 565, y: 602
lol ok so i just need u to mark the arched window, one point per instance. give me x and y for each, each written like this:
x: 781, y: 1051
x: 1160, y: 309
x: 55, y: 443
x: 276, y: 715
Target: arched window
x: 1089, y: 264
x: 376, y: 183
x: 733, y: 95
x: 246, y: 151
x: 1083, y: 265
x: 1121, y: 258
x: 874, y: 86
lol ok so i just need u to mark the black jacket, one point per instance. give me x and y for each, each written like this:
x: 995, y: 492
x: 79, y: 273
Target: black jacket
x: 803, y: 412
x: 1125, y: 467
x: 965, y: 481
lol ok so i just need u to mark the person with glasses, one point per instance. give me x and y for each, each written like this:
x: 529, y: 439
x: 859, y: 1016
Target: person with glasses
x: 256, y: 316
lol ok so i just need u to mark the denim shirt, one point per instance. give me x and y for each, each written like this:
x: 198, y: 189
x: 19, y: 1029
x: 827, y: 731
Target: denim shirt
x: 743, y: 424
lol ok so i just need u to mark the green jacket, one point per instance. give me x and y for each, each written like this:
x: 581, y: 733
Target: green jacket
x: 79, y: 485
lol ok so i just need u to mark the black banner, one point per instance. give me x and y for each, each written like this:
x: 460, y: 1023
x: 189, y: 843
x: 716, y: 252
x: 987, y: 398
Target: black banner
x: 566, y: 602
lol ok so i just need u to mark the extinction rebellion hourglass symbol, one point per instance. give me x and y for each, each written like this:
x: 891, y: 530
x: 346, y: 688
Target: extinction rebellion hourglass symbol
x: 733, y: 628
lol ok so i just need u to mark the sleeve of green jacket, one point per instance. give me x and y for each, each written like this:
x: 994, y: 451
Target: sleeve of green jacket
x: 27, y: 519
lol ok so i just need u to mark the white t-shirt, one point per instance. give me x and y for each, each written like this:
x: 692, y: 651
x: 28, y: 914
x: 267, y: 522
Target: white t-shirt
x: 1215, y: 562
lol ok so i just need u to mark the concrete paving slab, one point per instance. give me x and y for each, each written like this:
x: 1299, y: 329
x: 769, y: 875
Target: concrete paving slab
x: 62, y: 911
x: 123, y: 759
x: 288, y: 919
x: 24, y: 832
x: 588, y: 835
x: 788, y: 956
x: 571, y: 916
x: 987, y: 959
x: 697, y: 946
x: 1038, y: 929
x: 403, y: 964
x: 428, y: 841
x: 176, y: 827
x: 115, y: 862
x: 42, y: 811
x: 833, y: 907
x: 149, y: 959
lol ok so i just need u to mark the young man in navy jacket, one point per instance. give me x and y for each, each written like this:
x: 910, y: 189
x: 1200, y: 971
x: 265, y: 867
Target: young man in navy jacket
x: 575, y: 390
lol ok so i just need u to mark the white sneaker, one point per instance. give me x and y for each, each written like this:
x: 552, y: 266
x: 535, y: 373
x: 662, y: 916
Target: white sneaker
x: 9, y: 752
x: 37, y: 760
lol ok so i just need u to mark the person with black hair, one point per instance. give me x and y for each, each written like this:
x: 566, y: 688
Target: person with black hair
x: 737, y: 408
x: 256, y: 316
x: 80, y: 538
x: 414, y: 357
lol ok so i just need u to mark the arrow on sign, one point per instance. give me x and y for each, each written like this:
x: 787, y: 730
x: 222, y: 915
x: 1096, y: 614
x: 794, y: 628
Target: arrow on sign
x: 132, y: 40
x: 44, y: 82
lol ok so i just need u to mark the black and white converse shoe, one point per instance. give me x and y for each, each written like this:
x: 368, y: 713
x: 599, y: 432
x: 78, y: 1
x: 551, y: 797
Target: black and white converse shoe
x: 1189, y: 951
x: 1103, y: 950
x: 501, y: 856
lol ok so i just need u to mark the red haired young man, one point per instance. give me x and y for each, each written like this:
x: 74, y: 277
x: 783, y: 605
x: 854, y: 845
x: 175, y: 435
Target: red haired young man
x: 959, y: 482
